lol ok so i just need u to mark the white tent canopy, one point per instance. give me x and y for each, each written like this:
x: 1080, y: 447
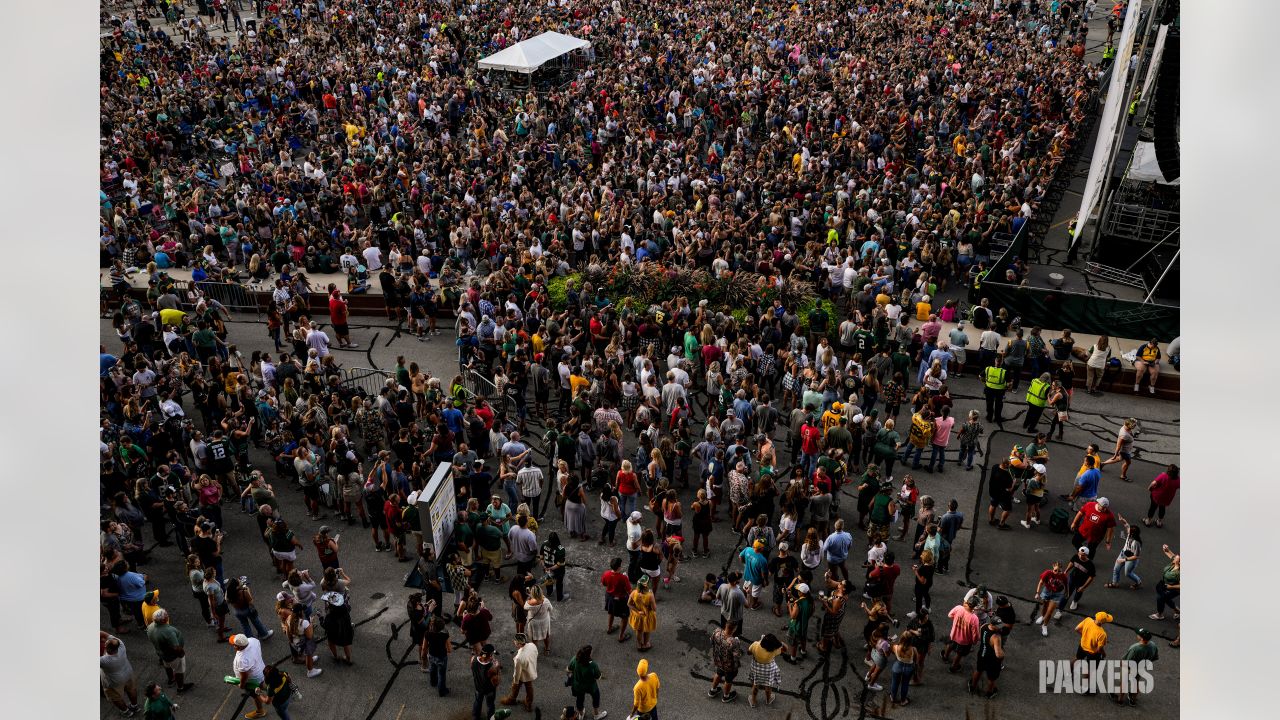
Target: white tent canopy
x: 529, y: 55
x: 1144, y: 167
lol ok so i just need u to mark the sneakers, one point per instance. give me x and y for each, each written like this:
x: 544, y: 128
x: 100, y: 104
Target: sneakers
x: 268, y: 635
x: 1044, y: 630
x: 1035, y: 521
x: 875, y: 686
x: 1073, y: 605
x: 714, y: 691
x: 1024, y: 524
x: 1039, y: 620
x: 1057, y: 614
x: 733, y: 695
x: 255, y: 714
x: 314, y: 672
x: 601, y: 715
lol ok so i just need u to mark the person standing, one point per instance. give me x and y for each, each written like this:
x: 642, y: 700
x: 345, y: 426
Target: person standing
x: 799, y: 612
x: 964, y: 633
x: 1162, y: 489
x: 1051, y: 590
x: 1000, y: 484
x: 1092, y: 524
x: 524, y: 671
x: 644, y: 694
x: 438, y: 647
x: 644, y: 613
x: 726, y: 657
x: 170, y: 648
x: 764, y: 667
x: 1093, y: 640
x: 1141, y: 651
x: 584, y: 677
x: 486, y: 676
x: 158, y: 705
x: 249, y: 668
x: 905, y: 656
x: 990, y: 659
x: 995, y: 380
x: 339, y: 312
x: 118, y: 682
x: 277, y: 689
x: 1170, y: 585
x: 1037, y: 400
x: 617, y: 590
x: 1096, y: 365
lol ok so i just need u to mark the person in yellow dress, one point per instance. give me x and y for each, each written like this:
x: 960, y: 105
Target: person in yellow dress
x: 644, y: 613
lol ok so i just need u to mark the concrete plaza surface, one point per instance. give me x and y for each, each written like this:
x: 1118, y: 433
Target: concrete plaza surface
x: 385, y: 683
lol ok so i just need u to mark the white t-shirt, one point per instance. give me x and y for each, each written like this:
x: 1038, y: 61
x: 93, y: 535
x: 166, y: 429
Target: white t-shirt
x: 319, y: 340
x: 372, y: 258
x: 249, y: 660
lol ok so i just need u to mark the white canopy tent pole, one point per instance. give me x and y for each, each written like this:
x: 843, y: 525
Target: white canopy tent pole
x: 1167, y: 268
x: 1110, y: 128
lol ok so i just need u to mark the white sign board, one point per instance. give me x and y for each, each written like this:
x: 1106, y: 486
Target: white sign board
x: 437, y: 508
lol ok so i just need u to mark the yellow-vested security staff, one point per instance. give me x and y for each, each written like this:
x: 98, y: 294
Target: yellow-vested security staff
x: 1037, y: 399
x: 995, y: 380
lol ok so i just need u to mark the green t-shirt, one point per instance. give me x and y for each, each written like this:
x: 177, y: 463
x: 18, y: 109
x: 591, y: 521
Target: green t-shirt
x: 1138, y: 651
x: 691, y: 347
x: 204, y: 338
x: 158, y: 708
x: 166, y: 638
x: 880, y: 509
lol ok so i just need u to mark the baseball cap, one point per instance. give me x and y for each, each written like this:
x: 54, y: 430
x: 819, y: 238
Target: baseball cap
x: 240, y: 641
x: 1039, y: 468
x: 784, y: 546
x: 1144, y: 633
x: 1103, y: 502
x: 636, y: 516
x: 802, y: 588
x: 487, y: 649
x: 1084, y: 549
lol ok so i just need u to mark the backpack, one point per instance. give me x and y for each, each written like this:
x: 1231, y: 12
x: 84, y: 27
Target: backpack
x: 1060, y: 521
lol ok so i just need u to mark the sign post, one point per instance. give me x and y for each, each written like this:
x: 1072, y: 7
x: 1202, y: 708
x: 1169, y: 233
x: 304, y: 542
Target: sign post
x: 437, y: 508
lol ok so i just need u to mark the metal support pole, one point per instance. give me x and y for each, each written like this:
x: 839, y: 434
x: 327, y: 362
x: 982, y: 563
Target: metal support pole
x: 1166, y: 272
x: 1153, y: 249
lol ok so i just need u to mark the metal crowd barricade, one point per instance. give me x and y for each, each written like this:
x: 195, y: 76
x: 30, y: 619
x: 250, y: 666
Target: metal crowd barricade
x: 233, y: 296
x: 483, y: 387
x: 366, y: 380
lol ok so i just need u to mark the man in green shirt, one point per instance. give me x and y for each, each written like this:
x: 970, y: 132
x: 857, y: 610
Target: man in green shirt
x: 206, y: 342
x: 158, y: 705
x: 1142, y: 651
x: 168, y: 643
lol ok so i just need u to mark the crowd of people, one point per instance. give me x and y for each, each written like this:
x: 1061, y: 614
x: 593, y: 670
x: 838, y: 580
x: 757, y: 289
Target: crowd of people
x: 741, y: 137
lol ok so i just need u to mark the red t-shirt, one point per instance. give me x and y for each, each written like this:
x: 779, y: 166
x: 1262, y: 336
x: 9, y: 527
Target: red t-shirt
x: 1095, y: 521
x: 616, y: 584
x: 809, y: 436
x: 627, y: 483
x: 1054, y: 582
x: 337, y: 311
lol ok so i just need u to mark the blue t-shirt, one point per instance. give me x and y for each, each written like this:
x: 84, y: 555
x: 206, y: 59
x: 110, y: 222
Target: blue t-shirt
x: 837, y: 546
x: 1088, y: 482
x: 106, y: 361
x: 453, y: 419
x: 133, y: 587
x: 754, y: 566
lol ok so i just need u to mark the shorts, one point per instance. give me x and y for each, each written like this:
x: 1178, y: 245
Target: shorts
x: 1033, y: 500
x: 341, y: 330
x: 1054, y: 596
x: 617, y: 607
x: 750, y: 589
x: 727, y: 676
x: 119, y: 693
x: 177, y: 665
x: 290, y: 556
x: 417, y: 537
x: 1004, y: 502
x: 961, y: 650
x: 989, y: 667
x: 492, y: 558
x: 1082, y: 654
x: 1126, y: 455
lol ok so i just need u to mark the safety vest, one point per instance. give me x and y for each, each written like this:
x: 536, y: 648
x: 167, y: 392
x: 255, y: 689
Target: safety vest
x: 1109, y: 53
x: 1038, y: 393
x: 993, y: 378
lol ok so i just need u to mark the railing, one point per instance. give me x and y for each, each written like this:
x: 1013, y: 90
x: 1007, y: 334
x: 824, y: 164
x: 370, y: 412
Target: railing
x: 482, y: 387
x: 363, y: 380
x: 232, y: 296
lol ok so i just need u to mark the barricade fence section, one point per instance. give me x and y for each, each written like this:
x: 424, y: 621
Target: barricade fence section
x: 366, y: 380
x: 232, y: 296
